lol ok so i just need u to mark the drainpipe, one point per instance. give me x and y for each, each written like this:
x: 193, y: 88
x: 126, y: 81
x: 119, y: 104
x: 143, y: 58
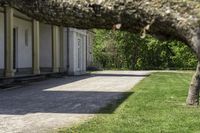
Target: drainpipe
x: 86, y: 49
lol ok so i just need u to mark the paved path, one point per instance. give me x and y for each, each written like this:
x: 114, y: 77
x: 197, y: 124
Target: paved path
x: 55, y: 103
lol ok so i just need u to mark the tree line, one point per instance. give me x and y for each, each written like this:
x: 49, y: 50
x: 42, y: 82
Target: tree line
x: 128, y: 51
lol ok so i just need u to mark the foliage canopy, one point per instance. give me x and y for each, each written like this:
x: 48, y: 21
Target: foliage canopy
x: 124, y: 50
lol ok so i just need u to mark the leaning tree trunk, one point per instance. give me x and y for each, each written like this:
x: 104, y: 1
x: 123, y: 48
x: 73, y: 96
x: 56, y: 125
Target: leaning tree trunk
x: 166, y: 19
x: 193, y: 94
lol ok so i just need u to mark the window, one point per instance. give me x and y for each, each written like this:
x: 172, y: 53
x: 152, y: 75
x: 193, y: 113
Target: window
x: 26, y: 37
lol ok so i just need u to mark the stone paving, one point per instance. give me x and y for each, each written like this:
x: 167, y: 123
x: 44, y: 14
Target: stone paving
x: 56, y: 103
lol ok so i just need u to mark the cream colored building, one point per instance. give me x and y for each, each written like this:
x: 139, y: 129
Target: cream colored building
x: 29, y: 47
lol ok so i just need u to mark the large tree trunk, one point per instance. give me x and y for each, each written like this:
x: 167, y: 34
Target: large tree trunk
x: 193, y: 94
x: 163, y: 18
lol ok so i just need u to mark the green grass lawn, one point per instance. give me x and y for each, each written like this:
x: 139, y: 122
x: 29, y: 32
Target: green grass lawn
x: 156, y: 106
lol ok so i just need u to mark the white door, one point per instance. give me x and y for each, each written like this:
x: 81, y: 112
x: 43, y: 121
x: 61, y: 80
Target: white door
x: 79, y: 41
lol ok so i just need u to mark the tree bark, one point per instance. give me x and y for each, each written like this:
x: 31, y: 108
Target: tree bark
x: 166, y: 19
x: 193, y: 94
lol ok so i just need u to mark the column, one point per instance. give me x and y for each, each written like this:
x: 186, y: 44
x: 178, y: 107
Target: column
x: 55, y: 57
x: 9, y: 72
x: 36, y: 47
x: 62, y: 50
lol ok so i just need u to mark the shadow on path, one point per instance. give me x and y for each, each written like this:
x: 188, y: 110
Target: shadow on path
x: 36, y: 98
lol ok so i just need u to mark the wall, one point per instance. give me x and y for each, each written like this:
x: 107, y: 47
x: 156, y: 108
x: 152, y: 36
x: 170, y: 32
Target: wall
x: 45, y: 46
x: 24, y: 51
x: 1, y: 40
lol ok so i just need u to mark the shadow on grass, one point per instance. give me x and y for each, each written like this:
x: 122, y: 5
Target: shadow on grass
x: 112, y: 106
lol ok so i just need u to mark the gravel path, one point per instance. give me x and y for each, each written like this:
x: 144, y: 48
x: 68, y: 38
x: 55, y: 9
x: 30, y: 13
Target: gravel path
x: 55, y: 103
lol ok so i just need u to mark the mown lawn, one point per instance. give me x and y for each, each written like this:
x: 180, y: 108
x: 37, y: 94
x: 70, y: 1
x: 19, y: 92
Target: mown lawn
x: 156, y: 106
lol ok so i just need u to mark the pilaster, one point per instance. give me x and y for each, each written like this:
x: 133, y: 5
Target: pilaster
x: 55, y: 57
x: 9, y: 72
x: 36, y: 47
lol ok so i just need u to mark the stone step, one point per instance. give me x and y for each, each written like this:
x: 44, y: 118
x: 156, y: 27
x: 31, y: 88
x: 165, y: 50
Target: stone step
x: 30, y: 79
x: 6, y: 83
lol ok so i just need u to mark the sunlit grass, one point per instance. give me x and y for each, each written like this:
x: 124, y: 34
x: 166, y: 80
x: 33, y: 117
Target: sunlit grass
x: 156, y: 106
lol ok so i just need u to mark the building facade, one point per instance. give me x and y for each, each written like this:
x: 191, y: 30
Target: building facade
x: 29, y: 47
